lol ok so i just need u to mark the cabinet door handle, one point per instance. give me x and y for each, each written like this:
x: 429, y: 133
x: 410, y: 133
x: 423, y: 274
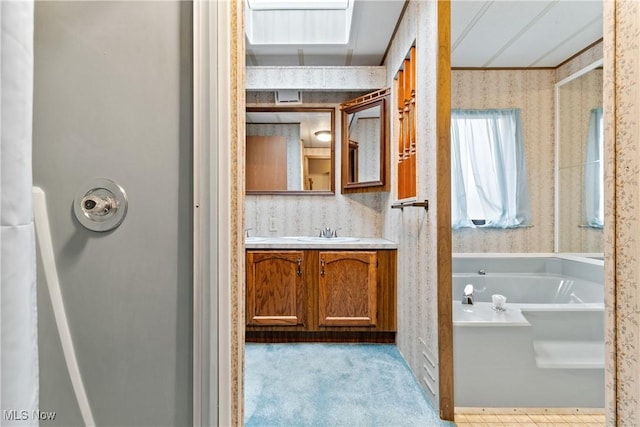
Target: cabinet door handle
x: 299, y: 266
x: 322, y: 267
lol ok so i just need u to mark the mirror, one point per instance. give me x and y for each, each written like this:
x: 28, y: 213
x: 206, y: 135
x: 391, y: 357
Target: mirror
x: 364, y: 143
x: 579, y: 163
x: 289, y: 150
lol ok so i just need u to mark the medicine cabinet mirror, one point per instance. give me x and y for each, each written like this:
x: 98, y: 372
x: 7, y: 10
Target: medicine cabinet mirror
x: 365, y: 143
x: 290, y: 150
x: 579, y: 163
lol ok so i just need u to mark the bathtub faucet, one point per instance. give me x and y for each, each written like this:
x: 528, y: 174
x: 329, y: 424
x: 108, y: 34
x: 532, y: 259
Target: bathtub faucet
x: 467, y: 296
x: 482, y: 272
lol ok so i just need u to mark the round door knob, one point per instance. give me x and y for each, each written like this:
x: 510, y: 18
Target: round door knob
x: 100, y: 205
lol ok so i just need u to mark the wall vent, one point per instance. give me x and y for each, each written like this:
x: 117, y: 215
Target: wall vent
x: 288, y: 96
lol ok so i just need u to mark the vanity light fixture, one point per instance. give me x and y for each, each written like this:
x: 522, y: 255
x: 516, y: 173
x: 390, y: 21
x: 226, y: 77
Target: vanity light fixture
x: 323, y: 135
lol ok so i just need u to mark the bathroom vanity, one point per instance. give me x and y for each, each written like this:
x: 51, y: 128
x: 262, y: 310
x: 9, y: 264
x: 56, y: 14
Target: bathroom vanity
x: 320, y: 289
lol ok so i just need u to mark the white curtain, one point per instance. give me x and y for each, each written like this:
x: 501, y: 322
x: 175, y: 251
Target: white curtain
x: 19, y: 341
x: 488, y: 169
x: 594, y: 173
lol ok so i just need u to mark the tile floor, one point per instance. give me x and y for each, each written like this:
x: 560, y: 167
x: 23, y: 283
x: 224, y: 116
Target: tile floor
x: 529, y: 420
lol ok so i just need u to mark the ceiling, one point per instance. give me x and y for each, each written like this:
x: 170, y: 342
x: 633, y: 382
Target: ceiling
x: 309, y: 122
x: 484, y: 33
x: 539, y: 33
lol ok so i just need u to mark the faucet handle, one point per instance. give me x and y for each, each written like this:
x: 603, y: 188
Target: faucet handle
x: 246, y: 231
x: 467, y: 294
x: 320, y: 229
x: 468, y: 289
x: 335, y: 231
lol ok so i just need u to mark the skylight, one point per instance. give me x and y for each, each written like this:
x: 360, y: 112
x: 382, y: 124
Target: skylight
x: 302, y: 22
x: 296, y: 4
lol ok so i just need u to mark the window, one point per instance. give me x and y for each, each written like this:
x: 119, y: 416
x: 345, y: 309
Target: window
x: 489, y: 185
x: 296, y: 22
x: 593, y: 172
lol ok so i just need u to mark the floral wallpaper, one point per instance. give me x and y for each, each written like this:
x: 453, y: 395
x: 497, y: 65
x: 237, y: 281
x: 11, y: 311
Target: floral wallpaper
x: 587, y: 57
x: 414, y: 229
x: 622, y: 235
x: 533, y: 92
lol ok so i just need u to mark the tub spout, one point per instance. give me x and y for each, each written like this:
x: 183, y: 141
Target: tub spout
x: 467, y: 297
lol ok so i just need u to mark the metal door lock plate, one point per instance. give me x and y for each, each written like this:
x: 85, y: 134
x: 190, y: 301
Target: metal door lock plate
x: 100, y: 205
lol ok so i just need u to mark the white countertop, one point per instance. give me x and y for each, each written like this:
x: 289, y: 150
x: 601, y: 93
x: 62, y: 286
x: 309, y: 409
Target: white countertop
x: 307, y: 242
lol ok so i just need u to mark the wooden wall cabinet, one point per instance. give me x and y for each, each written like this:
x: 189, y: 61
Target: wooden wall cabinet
x: 321, y: 295
x: 405, y: 95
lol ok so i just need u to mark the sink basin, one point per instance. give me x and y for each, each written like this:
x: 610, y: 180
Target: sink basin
x: 254, y: 239
x: 329, y: 239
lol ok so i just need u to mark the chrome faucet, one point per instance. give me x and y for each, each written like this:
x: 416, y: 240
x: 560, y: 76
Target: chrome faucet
x: 482, y: 272
x: 327, y: 232
x: 467, y: 295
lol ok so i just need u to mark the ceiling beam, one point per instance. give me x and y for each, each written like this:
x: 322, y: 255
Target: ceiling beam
x: 316, y: 78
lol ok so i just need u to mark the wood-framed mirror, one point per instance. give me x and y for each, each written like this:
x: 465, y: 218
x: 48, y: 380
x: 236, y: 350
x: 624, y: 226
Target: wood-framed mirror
x: 290, y: 150
x: 365, y: 143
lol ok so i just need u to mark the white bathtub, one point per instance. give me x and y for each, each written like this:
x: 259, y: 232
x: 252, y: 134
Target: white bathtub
x: 545, y: 350
x: 529, y: 288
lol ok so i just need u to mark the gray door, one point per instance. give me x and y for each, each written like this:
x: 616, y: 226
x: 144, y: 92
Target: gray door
x: 112, y: 99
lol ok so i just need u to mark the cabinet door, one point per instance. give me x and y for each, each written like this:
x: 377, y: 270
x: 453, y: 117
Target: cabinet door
x: 347, y: 289
x: 275, y: 293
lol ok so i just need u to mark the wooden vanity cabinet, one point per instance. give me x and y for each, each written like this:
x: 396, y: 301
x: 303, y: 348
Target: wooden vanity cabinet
x: 347, y: 290
x: 321, y: 295
x: 275, y: 291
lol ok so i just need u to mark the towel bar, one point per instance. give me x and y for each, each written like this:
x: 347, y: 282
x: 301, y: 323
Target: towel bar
x: 402, y: 205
